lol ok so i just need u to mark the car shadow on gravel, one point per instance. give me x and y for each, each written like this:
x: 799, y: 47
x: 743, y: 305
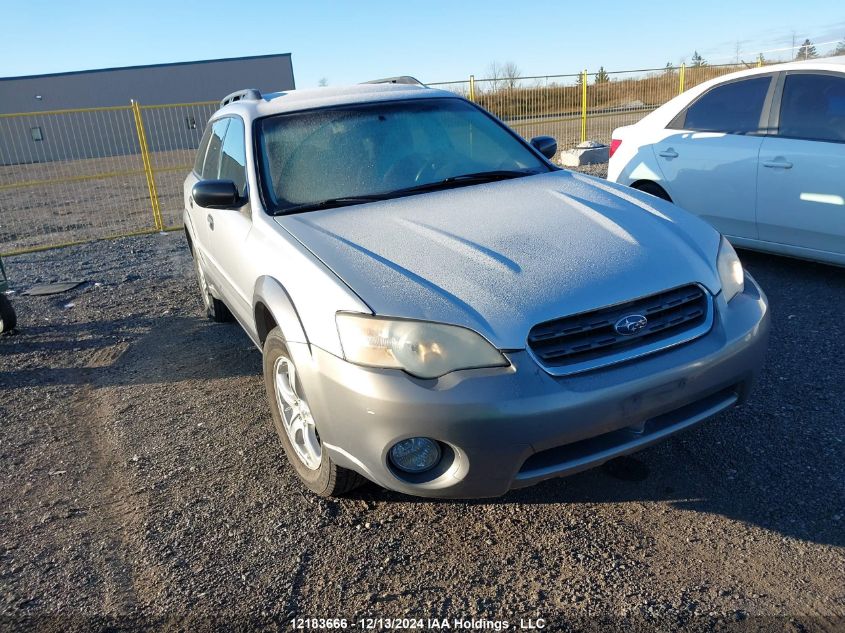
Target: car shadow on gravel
x: 687, y: 477
x: 130, y: 351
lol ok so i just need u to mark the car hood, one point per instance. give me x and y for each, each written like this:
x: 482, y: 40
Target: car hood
x: 501, y: 257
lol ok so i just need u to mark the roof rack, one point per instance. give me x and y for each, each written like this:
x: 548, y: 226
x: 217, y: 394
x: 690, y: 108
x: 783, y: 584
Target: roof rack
x: 248, y: 94
x: 402, y: 79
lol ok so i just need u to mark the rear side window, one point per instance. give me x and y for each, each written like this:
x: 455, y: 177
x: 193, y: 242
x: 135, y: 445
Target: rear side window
x: 211, y: 168
x: 233, y: 159
x: 202, y: 149
x: 813, y: 107
x: 732, y: 108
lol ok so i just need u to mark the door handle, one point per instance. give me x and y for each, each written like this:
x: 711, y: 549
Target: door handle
x: 210, y: 221
x: 778, y: 163
x: 191, y: 201
x: 669, y: 153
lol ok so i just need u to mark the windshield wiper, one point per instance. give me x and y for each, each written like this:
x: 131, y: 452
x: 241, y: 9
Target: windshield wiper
x: 329, y: 203
x: 464, y: 179
x: 451, y: 181
x: 490, y: 176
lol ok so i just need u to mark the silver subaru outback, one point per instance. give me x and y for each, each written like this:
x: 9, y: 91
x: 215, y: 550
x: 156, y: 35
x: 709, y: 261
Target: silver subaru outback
x: 443, y: 311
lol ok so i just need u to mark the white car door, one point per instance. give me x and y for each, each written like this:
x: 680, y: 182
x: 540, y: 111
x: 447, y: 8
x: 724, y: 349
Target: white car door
x: 801, y: 177
x: 709, y: 158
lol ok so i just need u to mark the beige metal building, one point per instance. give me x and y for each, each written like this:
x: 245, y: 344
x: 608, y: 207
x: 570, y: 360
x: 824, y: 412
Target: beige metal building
x: 49, y: 137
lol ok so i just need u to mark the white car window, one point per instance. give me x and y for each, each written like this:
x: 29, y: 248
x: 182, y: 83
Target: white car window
x: 732, y: 108
x: 233, y: 156
x: 201, y: 150
x: 813, y: 107
x: 211, y: 168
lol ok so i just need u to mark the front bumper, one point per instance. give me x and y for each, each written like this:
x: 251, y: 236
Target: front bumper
x: 505, y: 428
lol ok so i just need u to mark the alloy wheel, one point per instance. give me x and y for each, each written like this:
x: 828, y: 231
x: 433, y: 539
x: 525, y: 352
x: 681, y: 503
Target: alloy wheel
x: 296, y: 415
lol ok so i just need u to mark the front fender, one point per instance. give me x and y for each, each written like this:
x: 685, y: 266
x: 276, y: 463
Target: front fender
x: 272, y: 304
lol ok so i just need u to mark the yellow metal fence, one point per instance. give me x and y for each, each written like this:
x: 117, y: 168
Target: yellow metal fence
x: 74, y: 175
x: 582, y: 106
x: 69, y: 176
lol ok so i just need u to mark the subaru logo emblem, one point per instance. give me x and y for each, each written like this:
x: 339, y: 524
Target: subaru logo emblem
x: 631, y: 324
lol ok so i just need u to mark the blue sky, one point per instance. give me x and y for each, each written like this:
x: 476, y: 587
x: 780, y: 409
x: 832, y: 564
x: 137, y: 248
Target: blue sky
x: 435, y: 40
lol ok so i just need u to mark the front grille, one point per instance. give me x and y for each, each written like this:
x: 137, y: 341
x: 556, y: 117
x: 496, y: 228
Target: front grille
x: 591, y: 336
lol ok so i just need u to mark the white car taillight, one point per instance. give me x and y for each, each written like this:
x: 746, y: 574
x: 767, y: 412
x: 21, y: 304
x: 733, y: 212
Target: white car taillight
x: 614, y: 145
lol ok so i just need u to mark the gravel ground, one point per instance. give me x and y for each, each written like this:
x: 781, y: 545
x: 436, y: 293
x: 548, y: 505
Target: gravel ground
x: 142, y: 485
x: 62, y: 212
x: 599, y: 170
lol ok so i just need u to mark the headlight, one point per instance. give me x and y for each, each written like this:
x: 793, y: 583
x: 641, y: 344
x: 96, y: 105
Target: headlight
x: 730, y: 270
x: 423, y: 349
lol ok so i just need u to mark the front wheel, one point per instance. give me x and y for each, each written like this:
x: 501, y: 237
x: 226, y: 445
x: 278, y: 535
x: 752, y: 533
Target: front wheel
x: 296, y: 427
x: 8, y: 318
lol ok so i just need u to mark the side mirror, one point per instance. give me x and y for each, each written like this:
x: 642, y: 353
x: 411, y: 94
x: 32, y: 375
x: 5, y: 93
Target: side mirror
x: 217, y: 194
x: 546, y: 145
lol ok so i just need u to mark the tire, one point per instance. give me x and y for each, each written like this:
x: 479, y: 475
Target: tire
x: 653, y: 188
x: 8, y: 318
x: 215, y: 309
x: 313, y: 467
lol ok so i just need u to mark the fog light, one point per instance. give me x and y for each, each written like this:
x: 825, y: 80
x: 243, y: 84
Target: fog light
x: 415, y: 455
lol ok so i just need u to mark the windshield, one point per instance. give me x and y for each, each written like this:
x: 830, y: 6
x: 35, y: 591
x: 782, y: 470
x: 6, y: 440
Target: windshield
x: 357, y: 153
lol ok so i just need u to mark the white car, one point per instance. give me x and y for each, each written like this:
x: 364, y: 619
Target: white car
x: 760, y: 154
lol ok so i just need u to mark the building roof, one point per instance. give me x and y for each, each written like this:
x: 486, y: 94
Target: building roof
x: 143, y: 66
